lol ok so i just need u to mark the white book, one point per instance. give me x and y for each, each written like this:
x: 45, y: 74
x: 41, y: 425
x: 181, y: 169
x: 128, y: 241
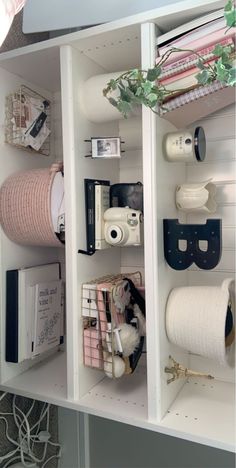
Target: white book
x: 195, y: 24
x: 28, y: 277
x: 102, y: 203
x: 46, y: 331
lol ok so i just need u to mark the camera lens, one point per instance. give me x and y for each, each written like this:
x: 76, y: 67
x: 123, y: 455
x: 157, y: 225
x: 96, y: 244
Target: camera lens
x: 113, y: 234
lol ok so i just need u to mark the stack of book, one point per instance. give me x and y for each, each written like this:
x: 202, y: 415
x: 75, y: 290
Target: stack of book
x: 34, y: 311
x: 180, y: 69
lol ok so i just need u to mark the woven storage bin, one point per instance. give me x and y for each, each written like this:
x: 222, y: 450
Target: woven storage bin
x: 25, y: 207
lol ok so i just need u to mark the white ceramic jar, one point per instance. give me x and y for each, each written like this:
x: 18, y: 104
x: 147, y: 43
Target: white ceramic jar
x: 185, y: 145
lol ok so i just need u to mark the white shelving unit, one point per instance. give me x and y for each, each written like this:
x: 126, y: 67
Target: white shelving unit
x: 196, y: 410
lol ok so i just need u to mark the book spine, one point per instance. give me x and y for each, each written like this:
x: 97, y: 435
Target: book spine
x: 182, y: 77
x: 102, y: 203
x: 191, y: 60
x: 190, y: 96
x: 197, y: 44
x: 12, y: 316
x: 90, y: 210
x: 90, y: 214
x: 180, y: 85
x: 196, y: 33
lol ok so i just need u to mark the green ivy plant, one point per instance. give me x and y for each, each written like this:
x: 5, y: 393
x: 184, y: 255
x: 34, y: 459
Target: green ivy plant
x: 135, y: 87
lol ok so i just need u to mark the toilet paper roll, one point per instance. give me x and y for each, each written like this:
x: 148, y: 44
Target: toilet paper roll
x: 196, y: 320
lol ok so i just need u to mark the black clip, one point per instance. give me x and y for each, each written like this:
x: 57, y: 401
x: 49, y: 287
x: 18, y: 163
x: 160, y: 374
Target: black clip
x: 87, y: 252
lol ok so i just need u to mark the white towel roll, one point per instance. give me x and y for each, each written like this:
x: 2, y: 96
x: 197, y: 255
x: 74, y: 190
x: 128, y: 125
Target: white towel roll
x: 196, y: 318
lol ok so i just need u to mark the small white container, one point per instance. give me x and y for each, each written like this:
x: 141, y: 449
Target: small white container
x: 185, y: 145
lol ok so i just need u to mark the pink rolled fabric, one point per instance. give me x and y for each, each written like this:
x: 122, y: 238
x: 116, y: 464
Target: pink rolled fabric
x: 25, y: 207
x: 8, y: 9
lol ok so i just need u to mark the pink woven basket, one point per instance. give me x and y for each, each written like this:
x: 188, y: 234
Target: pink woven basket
x: 25, y: 207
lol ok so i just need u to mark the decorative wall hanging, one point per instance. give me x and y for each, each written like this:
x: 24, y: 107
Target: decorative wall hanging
x: 178, y: 259
x: 196, y: 197
x: 105, y: 147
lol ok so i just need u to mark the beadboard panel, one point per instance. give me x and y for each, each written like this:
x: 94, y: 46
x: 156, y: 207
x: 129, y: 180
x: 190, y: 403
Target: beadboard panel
x: 132, y: 258
x: 220, y: 166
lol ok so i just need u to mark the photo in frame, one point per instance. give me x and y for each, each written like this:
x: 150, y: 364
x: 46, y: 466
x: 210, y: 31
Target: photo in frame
x: 106, y: 147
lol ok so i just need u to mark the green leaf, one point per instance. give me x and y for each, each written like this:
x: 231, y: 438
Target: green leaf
x: 218, y: 50
x: 134, y: 74
x: 222, y: 72
x: 230, y: 18
x: 124, y: 95
x: 203, y: 77
x: 200, y: 65
x: 124, y: 107
x: 139, y: 91
x: 113, y: 84
x: 232, y: 77
x: 113, y: 102
x: 228, y: 5
x: 147, y: 86
x: 230, y: 14
x: 153, y: 73
x: 152, y: 97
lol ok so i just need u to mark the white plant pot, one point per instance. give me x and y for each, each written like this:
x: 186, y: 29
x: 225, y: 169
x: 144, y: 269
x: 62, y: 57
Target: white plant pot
x: 95, y: 106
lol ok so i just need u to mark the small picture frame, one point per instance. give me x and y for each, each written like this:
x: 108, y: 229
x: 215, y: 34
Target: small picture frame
x: 106, y: 147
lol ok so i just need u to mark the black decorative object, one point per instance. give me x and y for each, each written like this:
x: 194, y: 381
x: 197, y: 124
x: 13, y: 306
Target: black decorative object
x: 127, y: 194
x: 192, y: 234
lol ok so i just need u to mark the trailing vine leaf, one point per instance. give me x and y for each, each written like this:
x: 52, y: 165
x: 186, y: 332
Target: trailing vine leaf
x: 230, y: 14
x: 112, y: 101
x: 200, y: 65
x: 138, y: 86
x: 113, y: 84
x: 203, y: 77
x: 222, y: 71
x: 153, y: 73
x: 147, y: 86
x: 232, y: 77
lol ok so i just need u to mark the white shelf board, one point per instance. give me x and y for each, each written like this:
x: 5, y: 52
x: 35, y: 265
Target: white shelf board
x: 204, y: 412
x: 208, y: 405
x: 124, y: 399
x: 45, y: 381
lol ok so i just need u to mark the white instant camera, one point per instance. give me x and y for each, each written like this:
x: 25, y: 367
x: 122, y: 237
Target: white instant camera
x: 123, y: 227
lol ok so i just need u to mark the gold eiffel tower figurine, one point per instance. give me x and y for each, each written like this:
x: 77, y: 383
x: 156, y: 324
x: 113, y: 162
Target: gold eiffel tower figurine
x: 178, y: 371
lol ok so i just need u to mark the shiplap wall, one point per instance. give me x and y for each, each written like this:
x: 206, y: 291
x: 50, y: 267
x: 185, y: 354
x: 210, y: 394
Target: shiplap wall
x: 220, y: 166
x: 132, y: 258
